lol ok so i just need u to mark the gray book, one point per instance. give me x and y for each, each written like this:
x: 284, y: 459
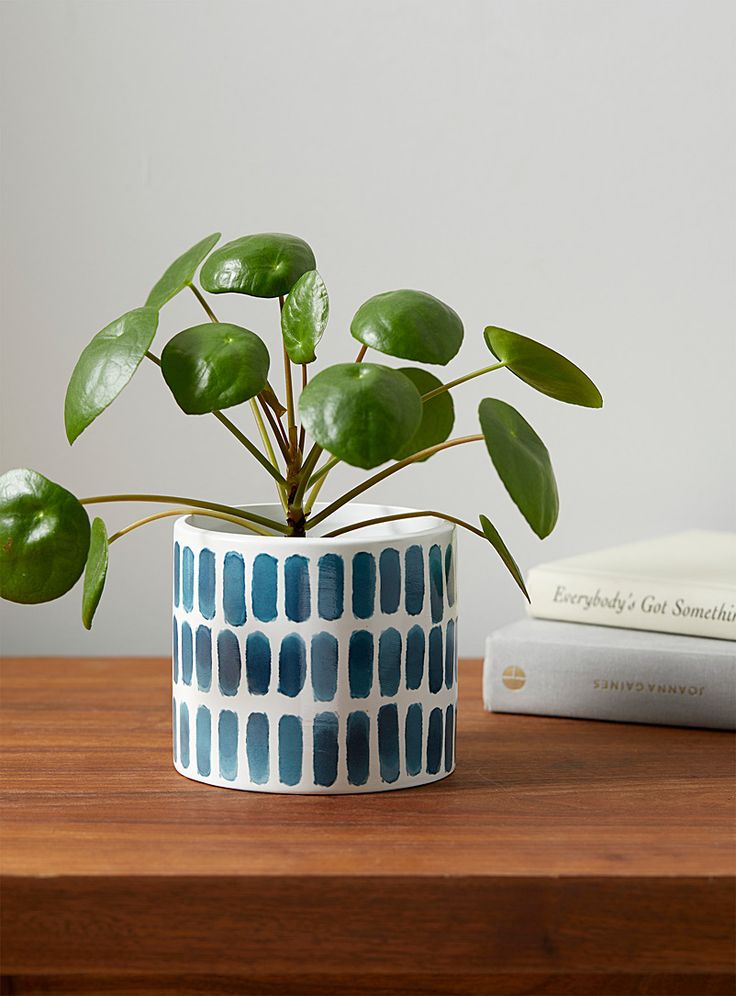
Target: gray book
x: 591, y: 672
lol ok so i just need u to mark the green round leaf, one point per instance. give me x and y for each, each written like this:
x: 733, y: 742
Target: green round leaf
x: 410, y: 324
x: 493, y: 537
x: 362, y: 413
x: 266, y: 265
x: 542, y: 368
x: 95, y: 571
x: 522, y: 462
x: 105, y: 367
x: 214, y: 366
x: 44, y: 538
x: 304, y: 317
x: 181, y: 272
x: 438, y: 414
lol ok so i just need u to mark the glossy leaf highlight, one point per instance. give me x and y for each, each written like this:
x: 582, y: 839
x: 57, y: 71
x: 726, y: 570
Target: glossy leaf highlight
x: 410, y: 324
x: 181, y: 272
x: 362, y: 413
x: 304, y: 317
x: 265, y: 265
x: 494, y: 538
x: 214, y: 366
x: 106, y: 366
x: 95, y: 572
x: 438, y: 414
x: 542, y: 368
x: 522, y: 462
x: 44, y: 538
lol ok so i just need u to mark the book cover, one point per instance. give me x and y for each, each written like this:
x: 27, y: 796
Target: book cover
x: 589, y: 672
x: 685, y: 583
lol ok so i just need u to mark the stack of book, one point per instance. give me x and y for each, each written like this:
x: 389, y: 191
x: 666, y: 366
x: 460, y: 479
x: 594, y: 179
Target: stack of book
x: 642, y: 633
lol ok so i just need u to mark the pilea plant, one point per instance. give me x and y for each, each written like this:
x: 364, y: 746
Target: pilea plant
x: 363, y: 413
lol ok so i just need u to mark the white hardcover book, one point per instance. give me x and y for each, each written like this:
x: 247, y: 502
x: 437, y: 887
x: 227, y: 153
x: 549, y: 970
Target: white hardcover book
x: 684, y: 583
x: 588, y: 672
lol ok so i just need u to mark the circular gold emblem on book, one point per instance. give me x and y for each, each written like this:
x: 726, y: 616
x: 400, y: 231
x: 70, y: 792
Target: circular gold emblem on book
x: 514, y: 678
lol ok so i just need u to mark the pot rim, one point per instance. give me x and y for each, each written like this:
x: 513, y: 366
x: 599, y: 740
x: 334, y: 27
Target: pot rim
x: 406, y: 529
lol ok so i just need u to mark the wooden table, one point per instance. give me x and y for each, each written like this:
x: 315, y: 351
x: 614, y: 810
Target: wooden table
x: 561, y: 857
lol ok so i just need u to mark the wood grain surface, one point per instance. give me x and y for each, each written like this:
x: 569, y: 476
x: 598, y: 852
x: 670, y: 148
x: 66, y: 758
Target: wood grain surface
x: 559, y: 851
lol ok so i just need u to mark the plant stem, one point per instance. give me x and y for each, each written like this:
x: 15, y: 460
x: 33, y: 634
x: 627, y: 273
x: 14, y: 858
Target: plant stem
x: 194, y: 503
x: 241, y: 437
x: 404, y: 515
x: 309, y: 503
x: 280, y: 488
x: 382, y: 475
x: 323, y: 471
x: 200, y: 297
x: 276, y: 428
x: 264, y: 461
x: 302, y: 430
x: 293, y: 442
x: 184, y: 511
x: 307, y: 467
x: 460, y: 380
x: 361, y: 353
x: 270, y: 464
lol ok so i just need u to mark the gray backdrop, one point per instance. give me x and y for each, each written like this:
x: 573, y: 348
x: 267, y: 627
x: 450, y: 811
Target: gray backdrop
x: 564, y: 169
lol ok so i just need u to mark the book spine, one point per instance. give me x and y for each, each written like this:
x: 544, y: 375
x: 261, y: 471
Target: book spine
x: 605, y: 600
x: 610, y: 683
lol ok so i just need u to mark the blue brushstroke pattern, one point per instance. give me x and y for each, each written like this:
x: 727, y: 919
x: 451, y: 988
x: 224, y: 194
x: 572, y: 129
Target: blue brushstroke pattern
x: 227, y: 737
x: 360, y: 664
x: 206, y: 583
x: 449, y: 653
x: 389, y: 661
x: 256, y: 746
x: 297, y: 600
x: 413, y: 738
x: 177, y: 573
x: 258, y: 663
x: 389, y: 565
x: 175, y: 650
x: 324, y: 667
x: 436, y: 596
x: 388, y: 742
x: 187, y: 653
x: 415, y: 647
x: 450, y: 575
x: 331, y: 586
x: 228, y: 662
x: 233, y: 589
x: 291, y: 748
x: 434, y: 742
x: 204, y: 740
x: 435, y: 659
x: 358, y: 747
x: 184, y: 734
x: 364, y: 585
x: 187, y: 579
x: 325, y: 748
x: 203, y: 657
x: 292, y: 665
x: 264, y: 587
x: 449, y: 736
x: 414, y: 580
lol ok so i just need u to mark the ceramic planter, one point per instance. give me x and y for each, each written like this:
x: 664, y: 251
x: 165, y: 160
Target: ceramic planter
x: 315, y: 665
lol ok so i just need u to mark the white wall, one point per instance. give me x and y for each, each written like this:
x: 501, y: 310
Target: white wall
x: 565, y: 169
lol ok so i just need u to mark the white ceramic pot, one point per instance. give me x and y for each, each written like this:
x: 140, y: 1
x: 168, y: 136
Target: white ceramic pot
x: 317, y: 665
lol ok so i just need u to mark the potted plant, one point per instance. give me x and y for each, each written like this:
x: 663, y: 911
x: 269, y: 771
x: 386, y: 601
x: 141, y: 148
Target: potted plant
x: 314, y: 642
